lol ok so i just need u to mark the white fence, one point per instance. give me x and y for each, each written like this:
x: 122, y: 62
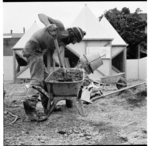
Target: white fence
x: 137, y: 68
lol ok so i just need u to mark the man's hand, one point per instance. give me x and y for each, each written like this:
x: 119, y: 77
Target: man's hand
x: 52, y: 29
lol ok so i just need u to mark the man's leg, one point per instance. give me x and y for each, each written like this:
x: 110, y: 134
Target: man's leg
x: 44, y: 99
x: 36, y: 66
x: 30, y: 104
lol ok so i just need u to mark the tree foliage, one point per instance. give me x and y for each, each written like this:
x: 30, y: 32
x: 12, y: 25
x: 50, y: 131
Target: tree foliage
x: 131, y: 28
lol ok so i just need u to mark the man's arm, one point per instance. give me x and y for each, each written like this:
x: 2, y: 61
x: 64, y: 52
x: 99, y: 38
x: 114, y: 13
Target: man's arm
x: 47, y: 21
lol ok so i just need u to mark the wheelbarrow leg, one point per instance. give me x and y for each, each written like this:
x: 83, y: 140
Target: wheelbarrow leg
x: 78, y: 106
x: 51, y: 108
x: 53, y: 105
x: 49, y: 105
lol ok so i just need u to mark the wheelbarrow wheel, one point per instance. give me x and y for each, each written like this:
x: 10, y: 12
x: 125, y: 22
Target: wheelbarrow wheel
x: 121, y: 83
x: 69, y: 104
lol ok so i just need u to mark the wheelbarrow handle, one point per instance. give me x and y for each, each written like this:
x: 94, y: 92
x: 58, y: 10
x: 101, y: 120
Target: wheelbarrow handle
x: 58, y: 53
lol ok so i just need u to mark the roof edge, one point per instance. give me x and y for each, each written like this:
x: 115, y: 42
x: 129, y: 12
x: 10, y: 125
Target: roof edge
x: 120, y: 45
x: 97, y: 39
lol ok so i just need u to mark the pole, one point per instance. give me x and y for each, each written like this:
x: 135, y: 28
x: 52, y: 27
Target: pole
x: 93, y: 99
x: 14, y: 66
x: 138, y: 60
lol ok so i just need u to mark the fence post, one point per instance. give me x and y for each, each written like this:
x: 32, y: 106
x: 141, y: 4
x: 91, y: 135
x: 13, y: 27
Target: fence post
x: 138, y: 60
x: 14, y: 66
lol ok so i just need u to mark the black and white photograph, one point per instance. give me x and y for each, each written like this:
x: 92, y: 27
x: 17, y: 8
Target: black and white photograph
x: 74, y: 72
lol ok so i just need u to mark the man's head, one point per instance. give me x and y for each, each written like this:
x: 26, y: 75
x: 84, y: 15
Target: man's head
x: 76, y: 34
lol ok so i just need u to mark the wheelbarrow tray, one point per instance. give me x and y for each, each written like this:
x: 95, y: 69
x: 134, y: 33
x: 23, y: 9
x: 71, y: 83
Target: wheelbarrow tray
x: 111, y: 79
x: 64, y: 88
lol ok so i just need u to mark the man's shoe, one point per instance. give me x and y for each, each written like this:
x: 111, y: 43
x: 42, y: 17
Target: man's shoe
x: 35, y: 118
x: 42, y: 118
x: 31, y: 118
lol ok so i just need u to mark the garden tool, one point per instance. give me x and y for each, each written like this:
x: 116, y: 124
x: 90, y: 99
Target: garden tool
x: 60, y: 61
x: 58, y: 53
x: 50, y: 101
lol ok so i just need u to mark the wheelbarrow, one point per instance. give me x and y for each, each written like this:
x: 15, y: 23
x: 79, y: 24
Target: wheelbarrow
x: 117, y: 79
x: 63, y: 86
x: 65, y: 89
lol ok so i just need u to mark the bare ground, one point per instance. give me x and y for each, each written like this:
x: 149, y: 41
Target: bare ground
x: 116, y: 119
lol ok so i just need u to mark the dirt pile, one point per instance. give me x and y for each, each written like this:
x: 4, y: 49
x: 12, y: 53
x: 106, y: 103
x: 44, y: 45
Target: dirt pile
x: 63, y: 75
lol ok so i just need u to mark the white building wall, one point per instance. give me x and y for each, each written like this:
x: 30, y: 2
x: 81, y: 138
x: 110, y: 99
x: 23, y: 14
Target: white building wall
x: 95, y: 76
x: 78, y: 48
x: 8, y: 68
x: 105, y: 68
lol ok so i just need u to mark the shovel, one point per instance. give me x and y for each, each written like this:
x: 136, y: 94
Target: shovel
x: 57, y: 48
x: 58, y: 53
x: 49, y: 106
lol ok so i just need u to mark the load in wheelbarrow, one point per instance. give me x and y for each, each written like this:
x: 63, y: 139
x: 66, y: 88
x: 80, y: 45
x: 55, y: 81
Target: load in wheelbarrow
x: 65, y: 86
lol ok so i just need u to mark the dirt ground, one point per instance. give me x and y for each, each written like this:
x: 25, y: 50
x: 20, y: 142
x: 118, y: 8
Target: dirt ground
x: 117, y: 119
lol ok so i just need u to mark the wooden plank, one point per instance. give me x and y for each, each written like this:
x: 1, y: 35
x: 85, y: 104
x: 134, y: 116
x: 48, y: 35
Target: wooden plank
x: 115, y: 69
x: 49, y: 60
x: 110, y: 64
x: 21, y: 56
x: 22, y: 70
x: 14, y: 66
x: 54, y: 65
x: 125, y: 64
x: 101, y: 72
